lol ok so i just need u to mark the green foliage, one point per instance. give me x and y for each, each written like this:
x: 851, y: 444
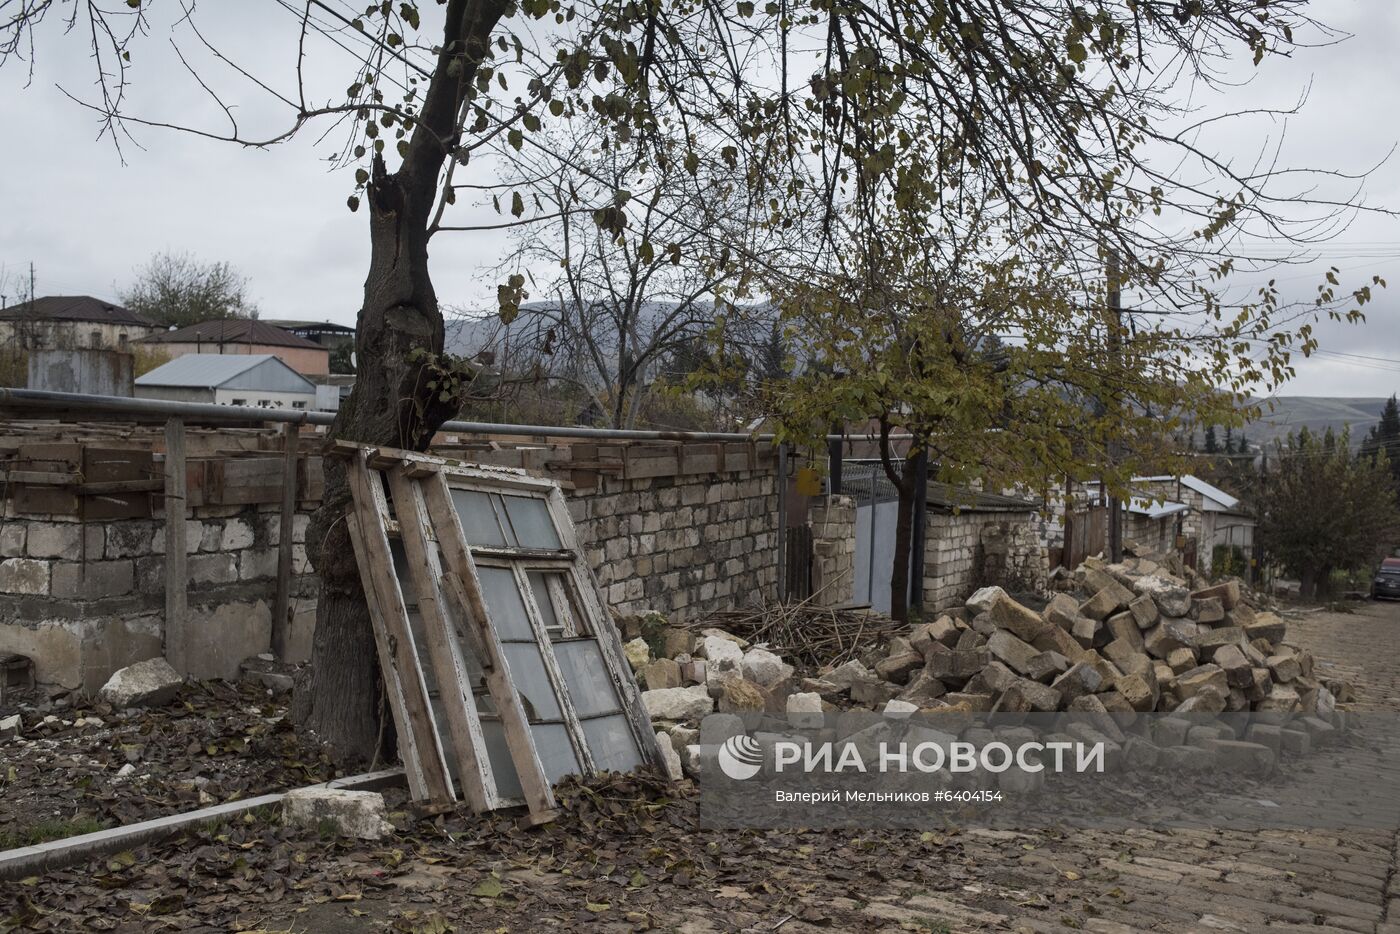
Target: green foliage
x: 342, y: 358
x: 1384, y: 438
x: 51, y: 829
x: 1325, y: 509
x: 175, y: 290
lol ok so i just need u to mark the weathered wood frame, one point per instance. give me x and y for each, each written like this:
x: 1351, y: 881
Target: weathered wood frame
x: 441, y: 568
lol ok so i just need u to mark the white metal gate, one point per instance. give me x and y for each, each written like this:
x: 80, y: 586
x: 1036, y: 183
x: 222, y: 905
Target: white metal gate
x: 877, y: 512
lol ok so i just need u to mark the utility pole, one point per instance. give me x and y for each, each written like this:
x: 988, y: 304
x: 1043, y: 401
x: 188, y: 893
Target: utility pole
x: 1115, y: 305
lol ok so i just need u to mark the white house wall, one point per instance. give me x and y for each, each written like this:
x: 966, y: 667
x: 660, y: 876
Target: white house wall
x: 264, y: 398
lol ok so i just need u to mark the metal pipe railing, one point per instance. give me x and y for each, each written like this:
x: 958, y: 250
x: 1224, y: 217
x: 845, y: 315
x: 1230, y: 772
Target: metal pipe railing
x: 44, y: 400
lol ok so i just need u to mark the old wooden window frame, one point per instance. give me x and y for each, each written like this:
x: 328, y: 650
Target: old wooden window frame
x: 443, y: 573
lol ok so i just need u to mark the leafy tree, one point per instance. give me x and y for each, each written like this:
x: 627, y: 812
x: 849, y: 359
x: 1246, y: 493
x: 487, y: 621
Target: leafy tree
x: 1325, y: 509
x: 1384, y: 437
x: 862, y: 131
x: 342, y: 358
x: 176, y: 289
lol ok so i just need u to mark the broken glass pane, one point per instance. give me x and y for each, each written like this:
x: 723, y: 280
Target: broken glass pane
x: 504, y: 603
x: 586, y: 676
x: 527, y: 673
x: 498, y: 754
x: 611, y: 744
x: 479, y: 522
x: 532, y: 523
x: 539, y: 586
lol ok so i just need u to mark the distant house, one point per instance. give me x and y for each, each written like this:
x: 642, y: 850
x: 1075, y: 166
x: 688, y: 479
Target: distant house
x: 244, y: 336
x: 973, y: 539
x: 261, y: 380
x: 71, y: 322
x: 1213, y: 521
x: 325, y: 333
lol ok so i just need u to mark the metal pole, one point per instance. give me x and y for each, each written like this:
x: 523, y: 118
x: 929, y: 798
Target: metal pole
x: 782, y: 522
x: 1115, y: 506
x: 833, y: 456
x: 870, y: 552
x: 919, y: 540
x: 162, y: 408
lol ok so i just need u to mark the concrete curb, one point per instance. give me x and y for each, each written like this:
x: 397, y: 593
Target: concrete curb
x: 56, y: 854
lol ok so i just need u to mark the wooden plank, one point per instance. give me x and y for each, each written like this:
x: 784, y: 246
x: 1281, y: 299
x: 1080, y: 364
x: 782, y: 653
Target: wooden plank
x: 121, y: 486
x: 393, y: 684
x: 444, y: 653
x: 539, y: 796
x: 44, y: 477
x: 176, y: 548
x: 551, y: 667
x: 419, y: 745
x: 281, y: 606
x: 240, y: 481
x: 607, y: 634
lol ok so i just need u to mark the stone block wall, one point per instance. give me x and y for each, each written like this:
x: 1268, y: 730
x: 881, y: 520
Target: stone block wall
x: 976, y: 549
x: 683, y: 545
x: 833, y: 521
x: 83, y: 599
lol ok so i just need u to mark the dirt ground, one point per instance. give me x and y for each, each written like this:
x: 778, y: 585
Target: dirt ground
x: 80, y: 767
x: 629, y: 856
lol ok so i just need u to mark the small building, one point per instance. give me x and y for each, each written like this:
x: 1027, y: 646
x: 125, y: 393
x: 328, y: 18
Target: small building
x: 973, y: 539
x: 325, y: 333
x: 1216, y: 531
x: 261, y: 380
x: 244, y: 336
x: 1151, y: 524
x: 70, y: 322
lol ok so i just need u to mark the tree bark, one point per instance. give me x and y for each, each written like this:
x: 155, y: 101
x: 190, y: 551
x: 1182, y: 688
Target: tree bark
x: 1307, y: 584
x: 390, y: 404
x: 903, y: 482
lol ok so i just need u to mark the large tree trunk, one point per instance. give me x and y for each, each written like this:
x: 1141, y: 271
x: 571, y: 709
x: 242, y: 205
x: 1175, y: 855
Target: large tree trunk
x: 1307, y: 584
x: 390, y: 403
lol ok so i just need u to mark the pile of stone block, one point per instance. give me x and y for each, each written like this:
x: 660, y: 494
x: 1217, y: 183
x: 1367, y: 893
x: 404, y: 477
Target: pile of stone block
x: 1122, y: 639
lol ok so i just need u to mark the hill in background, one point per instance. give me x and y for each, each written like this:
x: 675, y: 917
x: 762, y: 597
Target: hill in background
x: 1317, y: 413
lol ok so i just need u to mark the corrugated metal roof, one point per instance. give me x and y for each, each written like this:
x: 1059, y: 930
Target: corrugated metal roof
x: 864, y: 480
x: 233, y: 331
x: 212, y: 370
x: 293, y: 325
x: 72, y: 308
x: 1155, y: 510
x: 1214, y: 492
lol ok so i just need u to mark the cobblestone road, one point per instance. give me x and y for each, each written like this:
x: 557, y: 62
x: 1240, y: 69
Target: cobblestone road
x: 1197, y: 880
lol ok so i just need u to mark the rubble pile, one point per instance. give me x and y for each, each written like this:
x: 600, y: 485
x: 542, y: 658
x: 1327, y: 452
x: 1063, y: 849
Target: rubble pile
x: 1120, y: 639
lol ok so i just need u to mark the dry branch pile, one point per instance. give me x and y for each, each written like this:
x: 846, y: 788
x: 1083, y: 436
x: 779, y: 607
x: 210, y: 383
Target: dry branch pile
x: 815, y: 636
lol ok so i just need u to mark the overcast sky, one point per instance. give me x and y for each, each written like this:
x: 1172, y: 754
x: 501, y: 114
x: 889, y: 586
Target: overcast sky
x: 86, y: 220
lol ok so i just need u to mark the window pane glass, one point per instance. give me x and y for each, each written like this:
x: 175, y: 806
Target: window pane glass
x: 532, y: 681
x: 539, y: 586
x: 611, y: 744
x: 585, y: 675
x: 498, y: 753
x: 555, y: 751
x: 504, y: 604
x: 530, y: 518
x: 478, y: 518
